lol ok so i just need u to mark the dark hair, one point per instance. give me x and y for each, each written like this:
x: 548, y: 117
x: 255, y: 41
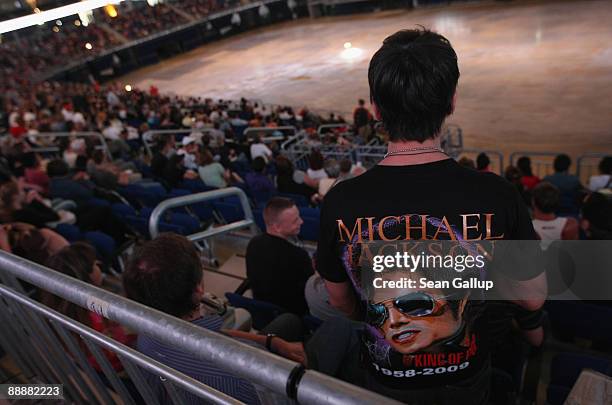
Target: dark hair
x: 361, y: 103
x: 524, y: 166
x: 546, y: 197
x: 29, y: 160
x: 164, y: 273
x: 316, y: 160
x: 57, y: 168
x: 284, y: 167
x: 413, y: 78
x: 562, y: 163
x: 206, y: 158
x: 605, y: 165
x: 482, y: 161
x: 597, y: 209
x: 274, y: 207
x: 345, y: 166
x: 81, y: 163
x: 76, y: 260
x: 467, y: 162
x: 258, y: 164
x: 512, y: 174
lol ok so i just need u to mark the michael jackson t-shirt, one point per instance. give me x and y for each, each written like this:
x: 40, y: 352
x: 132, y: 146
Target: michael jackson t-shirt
x: 423, y: 334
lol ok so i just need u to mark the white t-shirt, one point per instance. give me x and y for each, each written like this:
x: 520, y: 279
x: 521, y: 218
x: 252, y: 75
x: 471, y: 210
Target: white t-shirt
x: 260, y: 149
x: 598, y: 182
x: 317, y: 174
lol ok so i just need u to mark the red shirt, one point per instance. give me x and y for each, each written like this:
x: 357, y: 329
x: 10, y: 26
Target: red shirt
x: 530, y: 182
x: 37, y: 177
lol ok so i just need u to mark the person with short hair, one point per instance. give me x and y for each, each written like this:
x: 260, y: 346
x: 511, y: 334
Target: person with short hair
x: 212, y: 173
x: 417, y: 193
x: 596, y: 221
x: 259, y: 149
x: 166, y: 274
x: 483, y: 162
x: 276, y: 268
x: 569, y: 185
x: 548, y: 226
x: 257, y: 181
x: 528, y: 179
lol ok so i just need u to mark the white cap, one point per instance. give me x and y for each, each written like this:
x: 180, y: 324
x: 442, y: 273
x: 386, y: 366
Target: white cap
x: 188, y: 139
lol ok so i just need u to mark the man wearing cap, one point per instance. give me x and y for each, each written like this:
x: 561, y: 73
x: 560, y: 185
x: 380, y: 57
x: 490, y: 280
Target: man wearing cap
x: 190, y: 151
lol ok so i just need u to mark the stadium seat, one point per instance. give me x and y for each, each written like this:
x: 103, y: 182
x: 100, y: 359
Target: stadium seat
x: 310, y: 229
x: 70, y: 232
x: 123, y: 210
x: 575, y: 319
x: 104, y: 244
x: 262, y: 312
x: 258, y: 216
x: 565, y: 369
x: 298, y: 199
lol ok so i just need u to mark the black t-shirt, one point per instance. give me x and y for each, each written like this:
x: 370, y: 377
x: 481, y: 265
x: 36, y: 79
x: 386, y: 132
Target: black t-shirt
x: 278, y: 271
x: 393, y: 208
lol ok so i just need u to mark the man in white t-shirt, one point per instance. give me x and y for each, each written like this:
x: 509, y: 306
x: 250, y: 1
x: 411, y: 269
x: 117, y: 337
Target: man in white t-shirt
x: 604, y: 179
x: 548, y: 226
x: 259, y: 148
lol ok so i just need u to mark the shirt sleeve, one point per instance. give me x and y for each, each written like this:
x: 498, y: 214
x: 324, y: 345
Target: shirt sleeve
x: 328, y: 262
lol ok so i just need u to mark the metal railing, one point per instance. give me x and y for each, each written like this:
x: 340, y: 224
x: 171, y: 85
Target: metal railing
x: 587, y: 165
x: 103, y: 145
x: 541, y: 162
x: 323, y: 127
x: 182, y: 201
x: 288, y: 131
x: 148, y: 137
x: 47, y: 354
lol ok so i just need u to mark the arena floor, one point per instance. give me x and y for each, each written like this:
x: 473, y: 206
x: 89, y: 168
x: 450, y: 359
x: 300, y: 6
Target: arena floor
x: 534, y: 75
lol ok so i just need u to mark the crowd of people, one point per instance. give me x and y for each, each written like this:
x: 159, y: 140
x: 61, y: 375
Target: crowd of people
x: 416, y: 192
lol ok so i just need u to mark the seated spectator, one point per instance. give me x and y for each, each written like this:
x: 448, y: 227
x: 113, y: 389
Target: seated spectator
x: 286, y: 182
x: 257, y: 180
x: 164, y: 148
x: 212, y: 173
x: 513, y: 175
x: 175, y: 171
x: 31, y: 243
x: 332, y: 168
x: 33, y: 172
x: 568, y: 184
x: 316, y: 170
x: 604, y: 179
x: 467, y: 162
x: 190, y: 151
x: 483, y: 162
x: 166, y: 274
x: 277, y: 268
x: 317, y: 299
x: 549, y: 227
x: 79, y: 261
x: 106, y: 174
x: 528, y: 180
x: 64, y: 186
x: 596, y: 219
x: 260, y: 149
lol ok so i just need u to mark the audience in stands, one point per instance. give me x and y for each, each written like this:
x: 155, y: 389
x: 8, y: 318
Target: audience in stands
x: 549, y: 227
x: 258, y: 182
x: 316, y: 170
x: 292, y: 182
x: 569, y: 185
x: 279, y: 277
x: 361, y: 121
x: 604, y: 179
x: 467, y: 162
x: 260, y: 149
x: 528, y: 179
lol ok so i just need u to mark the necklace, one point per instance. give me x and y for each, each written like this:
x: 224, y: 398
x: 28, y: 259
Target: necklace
x: 416, y: 151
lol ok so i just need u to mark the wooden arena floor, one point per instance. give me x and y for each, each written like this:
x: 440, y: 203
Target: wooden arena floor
x: 535, y: 75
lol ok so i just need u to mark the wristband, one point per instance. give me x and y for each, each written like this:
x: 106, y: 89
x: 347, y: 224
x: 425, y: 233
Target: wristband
x: 269, y: 338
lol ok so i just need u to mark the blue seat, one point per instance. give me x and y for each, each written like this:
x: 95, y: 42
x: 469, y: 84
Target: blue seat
x: 123, y: 210
x: 104, y: 244
x: 188, y: 223
x: 196, y: 186
x: 310, y: 212
x: 298, y: 199
x: 310, y: 229
x: 565, y: 369
x: 229, y: 208
x: 258, y: 216
x: 262, y: 312
x: 70, y: 232
x: 98, y: 202
x: 582, y: 319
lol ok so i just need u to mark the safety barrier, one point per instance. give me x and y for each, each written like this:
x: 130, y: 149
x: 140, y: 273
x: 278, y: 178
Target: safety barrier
x: 186, y: 200
x: 587, y: 165
x: 323, y: 127
x: 103, y: 145
x: 287, y: 131
x: 44, y: 344
x: 541, y: 162
x: 149, y: 136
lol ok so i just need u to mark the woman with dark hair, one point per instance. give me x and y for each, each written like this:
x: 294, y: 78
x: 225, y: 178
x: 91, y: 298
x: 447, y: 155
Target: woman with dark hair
x: 316, y: 170
x: 79, y: 261
x: 528, y: 180
x: 286, y: 181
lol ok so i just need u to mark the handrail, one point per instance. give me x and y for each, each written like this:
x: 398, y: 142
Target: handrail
x: 182, y: 201
x: 269, y: 129
x: 148, y: 136
x: 325, y: 126
x: 69, y: 134
x: 588, y: 155
x: 514, y: 155
x: 187, y: 383
x: 255, y: 365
